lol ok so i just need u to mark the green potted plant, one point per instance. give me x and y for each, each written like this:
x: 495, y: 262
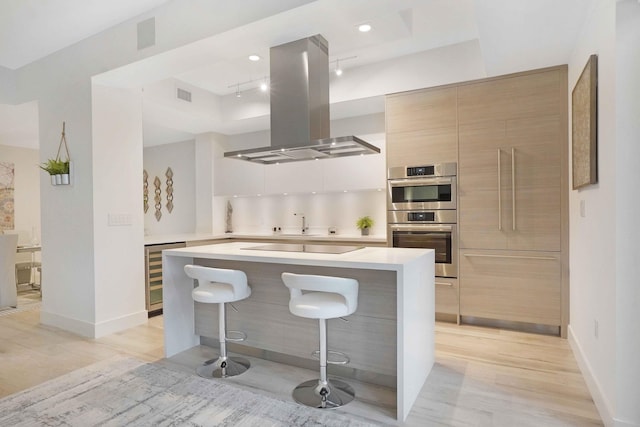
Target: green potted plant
x: 364, y: 224
x: 58, y: 170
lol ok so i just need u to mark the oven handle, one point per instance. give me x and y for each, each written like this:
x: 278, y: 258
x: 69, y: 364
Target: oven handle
x: 513, y: 188
x: 419, y: 181
x: 421, y: 227
x: 542, y: 258
x: 499, y: 194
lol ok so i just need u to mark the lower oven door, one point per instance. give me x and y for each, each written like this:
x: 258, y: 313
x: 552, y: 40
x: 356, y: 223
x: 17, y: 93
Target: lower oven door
x: 442, y: 238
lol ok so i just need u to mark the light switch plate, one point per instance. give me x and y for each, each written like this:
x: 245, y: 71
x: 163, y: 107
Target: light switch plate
x: 118, y: 219
x: 583, y: 209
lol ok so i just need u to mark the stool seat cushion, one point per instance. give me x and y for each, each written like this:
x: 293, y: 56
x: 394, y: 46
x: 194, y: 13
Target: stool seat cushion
x: 214, y: 293
x: 319, y: 305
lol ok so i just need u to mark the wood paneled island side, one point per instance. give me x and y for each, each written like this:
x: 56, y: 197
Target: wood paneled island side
x: 381, y: 337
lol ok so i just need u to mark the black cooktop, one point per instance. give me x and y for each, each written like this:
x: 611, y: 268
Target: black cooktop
x: 295, y: 247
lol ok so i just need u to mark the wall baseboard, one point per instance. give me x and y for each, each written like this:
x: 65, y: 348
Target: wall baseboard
x: 602, y: 404
x: 93, y: 330
x: 118, y: 324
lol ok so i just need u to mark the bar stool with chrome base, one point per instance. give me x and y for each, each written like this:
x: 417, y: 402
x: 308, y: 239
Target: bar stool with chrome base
x: 219, y: 286
x: 324, y: 298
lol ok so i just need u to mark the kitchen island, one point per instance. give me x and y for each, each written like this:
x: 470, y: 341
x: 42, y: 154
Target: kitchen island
x: 391, y: 334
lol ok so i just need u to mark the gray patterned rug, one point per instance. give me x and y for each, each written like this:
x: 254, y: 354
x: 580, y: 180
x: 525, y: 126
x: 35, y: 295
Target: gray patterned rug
x: 126, y: 391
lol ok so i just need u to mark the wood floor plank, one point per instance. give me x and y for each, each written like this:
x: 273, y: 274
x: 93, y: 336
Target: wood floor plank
x: 482, y: 376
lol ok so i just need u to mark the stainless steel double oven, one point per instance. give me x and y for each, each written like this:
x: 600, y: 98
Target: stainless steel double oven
x: 421, y: 203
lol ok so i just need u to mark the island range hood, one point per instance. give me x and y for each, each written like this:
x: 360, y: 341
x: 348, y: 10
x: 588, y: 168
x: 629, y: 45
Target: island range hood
x: 299, y: 76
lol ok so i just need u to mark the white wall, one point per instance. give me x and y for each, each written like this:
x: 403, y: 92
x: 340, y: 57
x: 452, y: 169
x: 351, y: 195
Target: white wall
x: 181, y: 157
x: 341, y: 210
x: 603, y: 244
x: 117, y: 210
x: 451, y: 64
x: 7, y: 85
x: 74, y: 251
x: 627, y: 206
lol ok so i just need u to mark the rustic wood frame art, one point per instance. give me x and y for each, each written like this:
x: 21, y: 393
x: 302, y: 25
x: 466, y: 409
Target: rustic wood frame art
x: 584, y: 127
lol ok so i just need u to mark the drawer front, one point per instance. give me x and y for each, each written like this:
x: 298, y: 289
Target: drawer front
x: 511, y: 285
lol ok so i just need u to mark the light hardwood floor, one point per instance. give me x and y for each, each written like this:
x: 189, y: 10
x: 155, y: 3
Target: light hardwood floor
x: 482, y: 376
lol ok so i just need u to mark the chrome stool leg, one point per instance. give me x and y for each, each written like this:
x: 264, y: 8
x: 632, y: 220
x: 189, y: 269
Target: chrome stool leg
x: 223, y: 366
x: 322, y: 393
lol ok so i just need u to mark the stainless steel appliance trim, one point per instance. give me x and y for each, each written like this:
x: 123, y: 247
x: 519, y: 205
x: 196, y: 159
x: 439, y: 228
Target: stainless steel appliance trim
x: 441, y: 270
x: 513, y: 188
x: 439, y: 169
x: 440, y: 216
x: 299, y: 105
x: 412, y: 182
x: 545, y: 258
x: 499, y: 194
x: 422, y: 227
x: 423, y: 205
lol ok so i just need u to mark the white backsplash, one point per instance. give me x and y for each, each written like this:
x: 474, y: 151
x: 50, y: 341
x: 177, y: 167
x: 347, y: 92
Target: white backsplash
x: 340, y: 210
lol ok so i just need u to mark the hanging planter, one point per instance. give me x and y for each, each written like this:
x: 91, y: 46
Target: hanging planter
x: 59, y: 169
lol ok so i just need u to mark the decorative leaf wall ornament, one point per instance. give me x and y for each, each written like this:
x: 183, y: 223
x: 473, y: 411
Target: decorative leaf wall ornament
x: 169, y: 175
x: 158, y: 198
x: 145, y: 189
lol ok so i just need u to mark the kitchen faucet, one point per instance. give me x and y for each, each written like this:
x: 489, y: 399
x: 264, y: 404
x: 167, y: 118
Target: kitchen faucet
x: 304, y: 222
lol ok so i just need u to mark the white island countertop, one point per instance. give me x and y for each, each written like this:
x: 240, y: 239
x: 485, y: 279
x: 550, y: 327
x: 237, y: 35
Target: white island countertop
x: 396, y: 306
x: 370, y: 258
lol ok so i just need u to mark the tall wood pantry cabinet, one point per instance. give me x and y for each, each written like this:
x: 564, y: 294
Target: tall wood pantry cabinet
x: 509, y: 136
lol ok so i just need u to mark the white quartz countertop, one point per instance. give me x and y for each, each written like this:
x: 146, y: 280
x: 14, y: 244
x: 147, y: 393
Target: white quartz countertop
x: 375, y: 258
x: 194, y: 237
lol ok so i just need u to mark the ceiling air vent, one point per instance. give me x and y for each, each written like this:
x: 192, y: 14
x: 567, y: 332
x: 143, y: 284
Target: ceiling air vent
x: 184, y: 95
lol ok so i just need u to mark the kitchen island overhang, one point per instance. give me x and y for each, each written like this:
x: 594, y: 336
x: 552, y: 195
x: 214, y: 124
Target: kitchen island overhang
x: 402, y: 334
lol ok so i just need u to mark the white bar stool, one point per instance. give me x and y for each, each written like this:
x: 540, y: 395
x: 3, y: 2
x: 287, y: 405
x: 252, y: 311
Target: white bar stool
x: 324, y: 298
x: 219, y: 286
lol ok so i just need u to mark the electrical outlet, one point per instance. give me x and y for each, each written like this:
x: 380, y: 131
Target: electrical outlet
x: 595, y: 328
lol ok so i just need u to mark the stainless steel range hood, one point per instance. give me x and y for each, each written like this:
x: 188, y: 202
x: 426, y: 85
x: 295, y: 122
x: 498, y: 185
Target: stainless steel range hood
x: 300, y: 108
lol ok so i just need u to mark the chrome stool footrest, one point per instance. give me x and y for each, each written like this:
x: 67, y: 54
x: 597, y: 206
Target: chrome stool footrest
x: 339, y: 358
x: 240, y: 336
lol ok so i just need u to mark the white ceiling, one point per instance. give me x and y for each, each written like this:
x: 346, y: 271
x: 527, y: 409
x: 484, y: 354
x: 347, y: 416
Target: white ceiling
x: 512, y: 35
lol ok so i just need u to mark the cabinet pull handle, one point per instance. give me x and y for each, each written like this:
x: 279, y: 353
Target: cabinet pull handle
x: 499, y: 195
x: 444, y: 284
x: 513, y: 188
x: 545, y: 258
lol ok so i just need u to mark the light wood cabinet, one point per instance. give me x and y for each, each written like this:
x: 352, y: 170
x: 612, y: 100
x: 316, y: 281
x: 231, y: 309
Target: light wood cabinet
x: 512, y: 286
x: 448, y: 297
x: 510, y: 184
x: 422, y: 127
x: 521, y: 95
x: 512, y: 177
x: 509, y: 136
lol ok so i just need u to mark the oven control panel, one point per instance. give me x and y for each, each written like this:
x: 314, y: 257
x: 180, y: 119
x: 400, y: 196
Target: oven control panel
x: 421, y: 216
x: 420, y: 171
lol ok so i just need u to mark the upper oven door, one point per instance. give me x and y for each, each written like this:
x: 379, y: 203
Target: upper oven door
x: 422, y: 193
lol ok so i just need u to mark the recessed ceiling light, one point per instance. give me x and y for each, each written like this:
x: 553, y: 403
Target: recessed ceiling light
x: 254, y: 57
x: 364, y: 28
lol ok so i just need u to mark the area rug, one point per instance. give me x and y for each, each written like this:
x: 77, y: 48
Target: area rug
x: 127, y: 392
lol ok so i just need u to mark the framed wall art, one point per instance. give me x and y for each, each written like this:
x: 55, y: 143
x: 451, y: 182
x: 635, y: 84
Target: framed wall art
x: 584, y: 127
